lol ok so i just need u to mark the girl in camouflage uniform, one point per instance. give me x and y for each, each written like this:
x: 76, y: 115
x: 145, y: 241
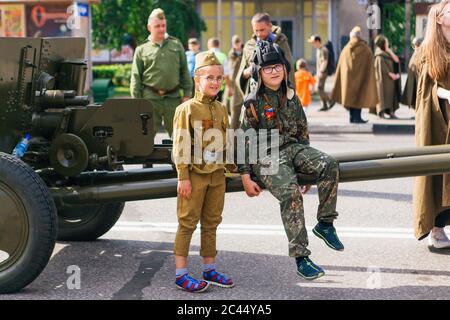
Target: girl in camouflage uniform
x: 273, y: 105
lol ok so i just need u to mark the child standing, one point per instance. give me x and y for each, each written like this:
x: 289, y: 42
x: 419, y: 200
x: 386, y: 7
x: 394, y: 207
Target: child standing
x: 201, y: 181
x: 304, y: 83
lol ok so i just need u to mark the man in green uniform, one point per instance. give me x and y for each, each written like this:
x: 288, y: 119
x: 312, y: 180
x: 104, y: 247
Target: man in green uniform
x: 274, y: 106
x: 263, y: 31
x: 160, y: 72
x: 322, y: 56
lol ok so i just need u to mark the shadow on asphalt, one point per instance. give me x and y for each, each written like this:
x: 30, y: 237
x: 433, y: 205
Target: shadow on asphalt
x: 400, y: 197
x: 133, y: 270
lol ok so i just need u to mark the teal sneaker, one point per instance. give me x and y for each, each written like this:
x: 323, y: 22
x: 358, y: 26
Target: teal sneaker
x: 308, y: 269
x: 328, y: 234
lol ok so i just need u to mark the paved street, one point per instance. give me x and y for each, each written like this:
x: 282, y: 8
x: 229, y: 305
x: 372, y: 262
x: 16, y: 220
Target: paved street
x: 382, y: 260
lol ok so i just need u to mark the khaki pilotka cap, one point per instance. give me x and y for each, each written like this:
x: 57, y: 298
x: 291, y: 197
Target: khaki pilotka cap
x: 157, y: 13
x: 205, y: 59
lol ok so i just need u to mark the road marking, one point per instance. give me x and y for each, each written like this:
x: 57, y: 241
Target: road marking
x: 3, y: 256
x: 248, y: 229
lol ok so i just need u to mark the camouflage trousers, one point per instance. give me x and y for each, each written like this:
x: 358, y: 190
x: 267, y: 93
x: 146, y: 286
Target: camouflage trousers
x: 284, y: 186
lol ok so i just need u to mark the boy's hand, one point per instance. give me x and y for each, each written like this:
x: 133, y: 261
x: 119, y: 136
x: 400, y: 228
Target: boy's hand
x: 184, y: 189
x: 305, y: 189
x: 251, y: 187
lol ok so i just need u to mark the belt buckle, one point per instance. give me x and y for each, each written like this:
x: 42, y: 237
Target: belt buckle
x: 161, y: 92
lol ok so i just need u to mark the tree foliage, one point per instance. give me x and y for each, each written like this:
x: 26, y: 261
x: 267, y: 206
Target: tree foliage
x: 115, y: 19
x: 394, y: 25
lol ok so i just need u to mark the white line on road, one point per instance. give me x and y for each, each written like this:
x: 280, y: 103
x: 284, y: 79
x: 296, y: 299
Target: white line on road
x: 247, y: 229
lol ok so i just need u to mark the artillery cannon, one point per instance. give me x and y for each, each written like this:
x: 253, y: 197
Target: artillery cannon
x: 70, y: 184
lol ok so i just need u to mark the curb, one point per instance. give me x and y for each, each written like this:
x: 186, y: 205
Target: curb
x: 394, y: 128
x: 362, y: 128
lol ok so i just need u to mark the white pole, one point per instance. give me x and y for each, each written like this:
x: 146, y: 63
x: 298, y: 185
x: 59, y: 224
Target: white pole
x: 219, y: 19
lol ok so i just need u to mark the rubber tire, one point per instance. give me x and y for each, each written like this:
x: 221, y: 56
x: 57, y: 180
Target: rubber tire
x: 42, y: 219
x: 105, y: 217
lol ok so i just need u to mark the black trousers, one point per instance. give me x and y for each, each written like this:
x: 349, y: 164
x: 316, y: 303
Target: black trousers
x: 355, y: 114
x: 442, y: 218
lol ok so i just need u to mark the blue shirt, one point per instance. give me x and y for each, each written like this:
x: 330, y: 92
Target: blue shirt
x: 190, y: 56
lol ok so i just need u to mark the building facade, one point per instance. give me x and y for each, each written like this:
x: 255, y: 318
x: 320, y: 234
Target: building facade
x: 299, y: 19
x: 48, y: 18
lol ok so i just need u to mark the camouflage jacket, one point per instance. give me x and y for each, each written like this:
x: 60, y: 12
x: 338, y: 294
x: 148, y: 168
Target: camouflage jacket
x: 274, y: 111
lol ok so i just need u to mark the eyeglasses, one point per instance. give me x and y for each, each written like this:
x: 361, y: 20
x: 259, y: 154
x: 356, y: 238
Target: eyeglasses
x: 269, y: 69
x: 211, y: 79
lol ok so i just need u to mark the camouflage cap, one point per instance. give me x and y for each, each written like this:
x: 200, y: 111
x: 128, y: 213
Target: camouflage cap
x: 157, y: 13
x: 206, y: 58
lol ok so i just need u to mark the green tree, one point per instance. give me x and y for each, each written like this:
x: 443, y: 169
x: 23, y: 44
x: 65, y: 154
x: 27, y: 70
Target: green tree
x: 114, y: 19
x: 394, y: 25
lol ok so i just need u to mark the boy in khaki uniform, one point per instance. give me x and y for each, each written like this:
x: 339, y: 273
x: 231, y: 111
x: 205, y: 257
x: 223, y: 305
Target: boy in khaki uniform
x: 201, y: 178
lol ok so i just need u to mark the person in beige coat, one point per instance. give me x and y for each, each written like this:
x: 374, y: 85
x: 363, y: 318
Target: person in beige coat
x: 387, y: 78
x: 409, y: 93
x: 431, y: 195
x: 355, y: 86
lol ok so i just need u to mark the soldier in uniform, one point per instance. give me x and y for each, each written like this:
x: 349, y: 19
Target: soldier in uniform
x: 263, y: 31
x: 322, y: 56
x: 160, y: 73
x: 201, y: 180
x: 273, y: 105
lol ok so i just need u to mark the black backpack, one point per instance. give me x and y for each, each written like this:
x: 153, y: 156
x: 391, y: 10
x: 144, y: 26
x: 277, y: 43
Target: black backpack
x: 331, y: 65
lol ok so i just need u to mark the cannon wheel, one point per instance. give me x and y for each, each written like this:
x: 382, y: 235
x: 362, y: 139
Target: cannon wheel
x: 28, y: 224
x: 87, y: 223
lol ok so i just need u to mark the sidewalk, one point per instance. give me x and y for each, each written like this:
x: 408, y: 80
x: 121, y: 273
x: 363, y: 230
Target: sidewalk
x: 336, y: 120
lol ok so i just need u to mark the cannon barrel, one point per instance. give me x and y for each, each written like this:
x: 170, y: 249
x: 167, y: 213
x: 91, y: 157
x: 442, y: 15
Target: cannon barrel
x: 422, y: 165
x: 390, y: 153
x: 165, y: 172
x: 48, y: 99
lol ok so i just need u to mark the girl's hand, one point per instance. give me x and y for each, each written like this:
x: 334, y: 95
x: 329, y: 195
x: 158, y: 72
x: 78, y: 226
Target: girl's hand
x: 184, y: 189
x: 305, y: 189
x: 251, y: 187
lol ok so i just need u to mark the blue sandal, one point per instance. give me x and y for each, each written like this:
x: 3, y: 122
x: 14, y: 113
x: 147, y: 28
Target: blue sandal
x: 217, y: 279
x: 187, y: 283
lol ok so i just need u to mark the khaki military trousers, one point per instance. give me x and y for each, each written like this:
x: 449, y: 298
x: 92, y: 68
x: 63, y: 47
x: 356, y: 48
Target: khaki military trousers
x: 204, y: 206
x: 321, y: 90
x: 164, y: 109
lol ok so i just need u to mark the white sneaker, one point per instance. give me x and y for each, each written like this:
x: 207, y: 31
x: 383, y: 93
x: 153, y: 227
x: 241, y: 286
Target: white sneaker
x: 3, y: 256
x: 438, y: 239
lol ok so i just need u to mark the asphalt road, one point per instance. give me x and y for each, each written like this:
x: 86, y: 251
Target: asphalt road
x: 382, y: 259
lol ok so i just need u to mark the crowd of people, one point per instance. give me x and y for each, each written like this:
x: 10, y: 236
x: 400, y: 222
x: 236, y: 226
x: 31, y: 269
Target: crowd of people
x: 258, y: 87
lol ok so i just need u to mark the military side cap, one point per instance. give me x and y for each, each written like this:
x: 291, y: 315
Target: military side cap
x: 206, y: 58
x: 157, y: 13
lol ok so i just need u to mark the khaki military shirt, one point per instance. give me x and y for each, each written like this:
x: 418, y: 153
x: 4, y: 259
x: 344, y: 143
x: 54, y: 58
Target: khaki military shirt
x: 196, y: 116
x: 161, y: 67
x: 322, y: 60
